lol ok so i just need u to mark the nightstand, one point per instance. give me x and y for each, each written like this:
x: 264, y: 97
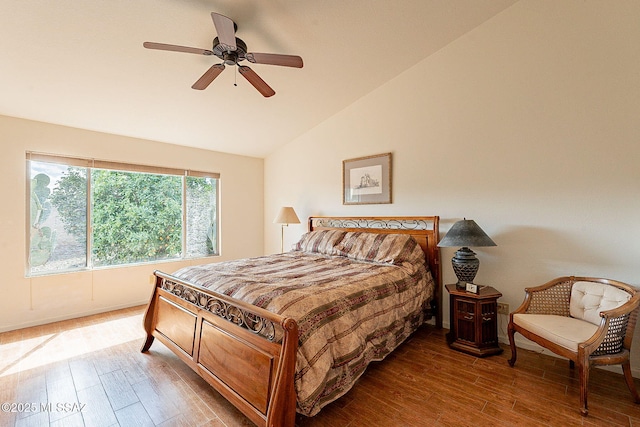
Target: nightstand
x: 474, y: 321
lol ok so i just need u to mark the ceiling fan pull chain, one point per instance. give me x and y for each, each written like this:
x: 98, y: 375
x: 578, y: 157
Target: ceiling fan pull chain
x: 235, y: 77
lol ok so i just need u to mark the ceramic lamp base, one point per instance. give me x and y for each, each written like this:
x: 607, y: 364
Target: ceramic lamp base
x: 465, y: 265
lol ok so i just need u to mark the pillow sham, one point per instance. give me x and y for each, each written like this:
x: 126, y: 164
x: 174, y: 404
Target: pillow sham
x: 383, y: 248
x: 321, y: 241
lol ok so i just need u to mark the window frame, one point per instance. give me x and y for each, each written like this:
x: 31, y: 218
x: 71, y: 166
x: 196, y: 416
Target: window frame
x: 90, y: 165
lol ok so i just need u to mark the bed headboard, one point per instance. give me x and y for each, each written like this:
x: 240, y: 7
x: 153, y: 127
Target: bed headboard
x: 422, y: 228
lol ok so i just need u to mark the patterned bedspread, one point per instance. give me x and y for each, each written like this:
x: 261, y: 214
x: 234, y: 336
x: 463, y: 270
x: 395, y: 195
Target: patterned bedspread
x: 349, y: 311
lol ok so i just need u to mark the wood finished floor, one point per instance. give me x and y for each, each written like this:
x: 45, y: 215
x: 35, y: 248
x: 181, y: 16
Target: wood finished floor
x: 96, y: 361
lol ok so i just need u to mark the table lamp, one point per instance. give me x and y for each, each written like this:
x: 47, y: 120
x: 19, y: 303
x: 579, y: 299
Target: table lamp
x: 465, y: 233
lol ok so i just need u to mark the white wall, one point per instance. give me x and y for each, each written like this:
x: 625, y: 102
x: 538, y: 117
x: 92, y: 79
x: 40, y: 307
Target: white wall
x: 528, y: 125
x: 31, y: 301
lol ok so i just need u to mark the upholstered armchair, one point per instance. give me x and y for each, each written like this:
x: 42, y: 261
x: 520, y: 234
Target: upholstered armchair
x: 589, y: 321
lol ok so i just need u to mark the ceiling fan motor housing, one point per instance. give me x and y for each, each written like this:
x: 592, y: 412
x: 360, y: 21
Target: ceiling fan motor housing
x: 230, y: 57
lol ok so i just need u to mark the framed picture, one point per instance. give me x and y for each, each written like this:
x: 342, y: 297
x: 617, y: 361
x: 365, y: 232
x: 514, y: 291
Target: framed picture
x: 366, y: 180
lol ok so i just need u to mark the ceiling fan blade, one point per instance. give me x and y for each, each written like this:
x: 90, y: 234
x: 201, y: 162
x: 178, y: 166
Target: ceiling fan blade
x: 208, y: 77
x: 176, y: 48
x: 226, y: 30
x: 275, y: 59
x: 256, y: 81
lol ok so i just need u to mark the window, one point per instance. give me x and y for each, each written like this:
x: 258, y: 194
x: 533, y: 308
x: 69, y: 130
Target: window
x: 202, y: 216
x: 54, y: 245
x: 85, y: 214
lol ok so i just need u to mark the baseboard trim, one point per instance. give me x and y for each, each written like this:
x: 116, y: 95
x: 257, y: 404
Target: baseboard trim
x: 71, y: 316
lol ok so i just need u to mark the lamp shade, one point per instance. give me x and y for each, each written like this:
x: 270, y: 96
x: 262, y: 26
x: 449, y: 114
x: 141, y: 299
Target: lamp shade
x: 466, y: 233
x: 286, y: 215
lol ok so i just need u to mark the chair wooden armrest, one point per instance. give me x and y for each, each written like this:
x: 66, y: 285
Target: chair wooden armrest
x: 625, y: 308
x: 614, y: 324
x: 589, y: 346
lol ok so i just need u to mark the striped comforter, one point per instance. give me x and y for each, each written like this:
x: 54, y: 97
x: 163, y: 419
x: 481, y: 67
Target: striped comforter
x: 351, y: 308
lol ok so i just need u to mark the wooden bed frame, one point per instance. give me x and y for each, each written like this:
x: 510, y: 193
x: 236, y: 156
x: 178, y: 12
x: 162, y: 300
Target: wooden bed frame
x: 236, y: 347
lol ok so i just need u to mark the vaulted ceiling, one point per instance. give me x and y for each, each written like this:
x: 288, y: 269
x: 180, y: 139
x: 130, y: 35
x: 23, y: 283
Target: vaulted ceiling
x: 81, y: 63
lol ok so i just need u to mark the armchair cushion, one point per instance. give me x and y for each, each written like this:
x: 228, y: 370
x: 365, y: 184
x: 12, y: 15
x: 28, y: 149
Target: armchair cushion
x: 561, y: 330
x: 588, y: 299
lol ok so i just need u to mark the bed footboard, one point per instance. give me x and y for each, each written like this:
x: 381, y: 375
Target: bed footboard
x: 246, y: 353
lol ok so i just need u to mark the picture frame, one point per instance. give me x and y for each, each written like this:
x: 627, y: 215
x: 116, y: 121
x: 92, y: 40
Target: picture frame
x: 473, y: 288
x: 367, y: 180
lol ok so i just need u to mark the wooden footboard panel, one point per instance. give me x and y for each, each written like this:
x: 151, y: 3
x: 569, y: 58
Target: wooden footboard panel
x: 246, y: 353
x: 176, y: 324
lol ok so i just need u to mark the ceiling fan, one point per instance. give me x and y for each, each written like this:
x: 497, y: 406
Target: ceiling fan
x: 231, y: 50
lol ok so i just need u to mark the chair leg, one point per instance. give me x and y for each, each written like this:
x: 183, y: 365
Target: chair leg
x: 512, y: 343
x: 147, y: 343
x: 583, y: 371
x: 626, y: 368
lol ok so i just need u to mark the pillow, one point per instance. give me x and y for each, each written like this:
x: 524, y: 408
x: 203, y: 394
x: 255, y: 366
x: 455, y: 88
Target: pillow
x: 322, y: 241
x: 384, y: 248
x: 588, y: 299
